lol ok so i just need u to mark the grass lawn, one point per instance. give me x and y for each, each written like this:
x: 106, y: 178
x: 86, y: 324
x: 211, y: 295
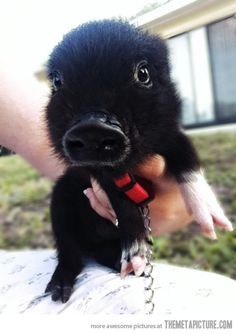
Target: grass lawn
x: 24, y: 213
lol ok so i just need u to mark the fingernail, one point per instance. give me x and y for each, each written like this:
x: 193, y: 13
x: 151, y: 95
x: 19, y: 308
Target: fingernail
x: 122, y: 274
x: 211, y: 234
x: 230, y: 228
x: 85, y: 191
x: 116, y: 223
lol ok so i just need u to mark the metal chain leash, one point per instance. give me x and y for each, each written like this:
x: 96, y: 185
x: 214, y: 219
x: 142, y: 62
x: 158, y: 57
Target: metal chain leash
x: 148, y: 279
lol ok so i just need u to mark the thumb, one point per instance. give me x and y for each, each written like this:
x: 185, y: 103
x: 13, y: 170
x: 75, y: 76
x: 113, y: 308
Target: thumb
x: 152, y: 168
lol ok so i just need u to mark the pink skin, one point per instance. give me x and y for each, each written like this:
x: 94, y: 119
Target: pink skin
x: 202, y: 203
x: 22, y: 103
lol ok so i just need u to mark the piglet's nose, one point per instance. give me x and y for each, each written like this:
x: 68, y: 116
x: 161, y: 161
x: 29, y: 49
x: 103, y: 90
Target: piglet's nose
x: 86, y: 139
x: 92, y: 135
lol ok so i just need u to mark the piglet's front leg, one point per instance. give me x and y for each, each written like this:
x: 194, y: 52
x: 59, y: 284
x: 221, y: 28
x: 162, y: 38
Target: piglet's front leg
x: 133, y: 237
x: 133, y: 257
x: 202, y: 203
x: 131, y: 229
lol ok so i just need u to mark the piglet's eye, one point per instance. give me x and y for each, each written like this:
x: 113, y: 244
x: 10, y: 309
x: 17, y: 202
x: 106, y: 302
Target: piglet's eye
x: 141, y: 75
x: 56, y: 79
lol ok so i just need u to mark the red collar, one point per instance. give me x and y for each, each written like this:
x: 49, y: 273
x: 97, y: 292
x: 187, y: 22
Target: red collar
x: 133, y: 190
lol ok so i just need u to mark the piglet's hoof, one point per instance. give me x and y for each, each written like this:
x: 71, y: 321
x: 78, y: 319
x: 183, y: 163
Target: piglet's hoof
x: 133, y: 258
x: 202, y: 203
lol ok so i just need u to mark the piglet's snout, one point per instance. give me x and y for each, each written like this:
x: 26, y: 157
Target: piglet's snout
x: 94, y: 137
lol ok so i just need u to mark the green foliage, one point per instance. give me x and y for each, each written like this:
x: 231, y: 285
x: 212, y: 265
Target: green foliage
x: 24, y: 206
x: 24, y: 213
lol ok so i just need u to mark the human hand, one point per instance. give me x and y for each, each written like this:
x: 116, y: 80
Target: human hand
x: 168, y: 210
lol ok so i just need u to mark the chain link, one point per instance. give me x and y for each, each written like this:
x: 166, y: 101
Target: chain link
x: 148, y: 279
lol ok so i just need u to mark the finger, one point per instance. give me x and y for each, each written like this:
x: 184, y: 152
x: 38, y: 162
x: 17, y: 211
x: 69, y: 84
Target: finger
x: 98, y: 207
x: 153, y: 168
x: 100, y: 194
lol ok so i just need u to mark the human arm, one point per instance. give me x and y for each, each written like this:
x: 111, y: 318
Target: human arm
x: 22, y: 127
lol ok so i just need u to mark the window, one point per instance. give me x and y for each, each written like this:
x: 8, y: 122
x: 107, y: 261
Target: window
x: 182, y: 75
x: 222, y: 43
x: 192, y: 73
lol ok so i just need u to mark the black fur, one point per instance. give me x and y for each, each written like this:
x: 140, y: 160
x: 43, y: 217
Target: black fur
x: 93, y: 71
